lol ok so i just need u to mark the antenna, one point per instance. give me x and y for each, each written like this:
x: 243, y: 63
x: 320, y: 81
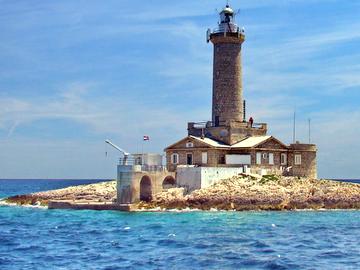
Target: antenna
x: 235, y: 14
x: 294, y: 126
x: 309, y: 130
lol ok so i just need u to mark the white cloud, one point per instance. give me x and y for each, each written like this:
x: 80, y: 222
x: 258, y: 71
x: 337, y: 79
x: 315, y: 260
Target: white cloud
x: 102, y: 115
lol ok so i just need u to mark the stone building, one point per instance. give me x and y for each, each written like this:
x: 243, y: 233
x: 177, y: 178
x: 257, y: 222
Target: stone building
x: 228, y: 140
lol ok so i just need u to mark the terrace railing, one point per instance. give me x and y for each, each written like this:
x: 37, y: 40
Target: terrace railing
x: 143, y: 167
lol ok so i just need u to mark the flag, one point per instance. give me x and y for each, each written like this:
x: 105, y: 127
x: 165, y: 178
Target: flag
x: 146, y: 138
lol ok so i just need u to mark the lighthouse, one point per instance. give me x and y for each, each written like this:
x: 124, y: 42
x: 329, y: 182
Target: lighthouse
x: 228, y: 144
x: 228, y: 121
x: 227, y: 103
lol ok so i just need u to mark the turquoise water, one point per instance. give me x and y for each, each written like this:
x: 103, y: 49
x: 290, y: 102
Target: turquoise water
x: 66, y: 239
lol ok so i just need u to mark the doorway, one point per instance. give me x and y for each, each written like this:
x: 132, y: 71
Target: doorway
x: 189, y: 159
x: 145, y: 189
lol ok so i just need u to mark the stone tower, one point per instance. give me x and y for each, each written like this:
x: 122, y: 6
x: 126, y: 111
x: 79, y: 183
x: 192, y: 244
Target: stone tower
x: 227, y: 76
x: 228, y: 124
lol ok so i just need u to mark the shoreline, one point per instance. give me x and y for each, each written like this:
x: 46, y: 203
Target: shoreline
x: 55, y: 179
x: 3, y: 203
x: 239, y: 193
x: 267, y: 193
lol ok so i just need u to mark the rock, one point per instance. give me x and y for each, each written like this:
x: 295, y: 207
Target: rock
x: 245, y: 192
x: 103, y: 192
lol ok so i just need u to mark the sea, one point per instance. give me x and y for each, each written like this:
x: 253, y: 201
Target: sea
x: 38, y: 238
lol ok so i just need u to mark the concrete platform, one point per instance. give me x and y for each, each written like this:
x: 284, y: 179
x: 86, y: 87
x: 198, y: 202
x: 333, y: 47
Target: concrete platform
x: 86, y: 205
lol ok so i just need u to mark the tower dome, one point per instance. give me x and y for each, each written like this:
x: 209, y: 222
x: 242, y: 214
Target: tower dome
x: 227, y: 9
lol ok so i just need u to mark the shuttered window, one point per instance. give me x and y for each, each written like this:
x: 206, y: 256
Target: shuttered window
x: 175, y: 158
x: 271, y: 159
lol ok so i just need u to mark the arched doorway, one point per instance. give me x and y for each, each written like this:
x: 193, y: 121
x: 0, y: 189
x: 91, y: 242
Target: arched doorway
x: 145, y: 189
x: 169, y: 182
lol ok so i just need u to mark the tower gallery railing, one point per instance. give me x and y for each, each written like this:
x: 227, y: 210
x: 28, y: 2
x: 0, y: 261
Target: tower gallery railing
x: 210, y: 124
x: 222, y: 30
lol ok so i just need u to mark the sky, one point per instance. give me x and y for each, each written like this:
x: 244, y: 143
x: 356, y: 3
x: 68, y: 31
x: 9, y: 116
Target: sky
x: 74, y: 73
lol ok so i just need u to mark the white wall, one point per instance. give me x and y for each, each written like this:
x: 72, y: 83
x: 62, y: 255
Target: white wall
x: 188, y: 177
x: 211, y: 175
x: 238, y: 159
x: 192, y: 178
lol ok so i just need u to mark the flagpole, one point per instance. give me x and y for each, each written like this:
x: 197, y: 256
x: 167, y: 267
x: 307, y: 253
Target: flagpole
x: 309, y: 130
x: 142, y: 152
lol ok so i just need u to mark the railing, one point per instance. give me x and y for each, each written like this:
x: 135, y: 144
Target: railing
x: 208, y: 124
x: 224, y: 29
x: 259, y: 125
x: 128, y: 161
x: 142, y: 167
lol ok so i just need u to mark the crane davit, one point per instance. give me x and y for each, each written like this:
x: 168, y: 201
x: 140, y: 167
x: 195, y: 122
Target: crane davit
x: 126, y: 154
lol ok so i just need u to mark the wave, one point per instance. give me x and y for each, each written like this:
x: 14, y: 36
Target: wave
x: 5, y: 203
x: 159, y: 209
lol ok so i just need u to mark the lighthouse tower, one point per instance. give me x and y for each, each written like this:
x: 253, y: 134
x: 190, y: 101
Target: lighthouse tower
x: 227, y: 101
x: 228, y: 122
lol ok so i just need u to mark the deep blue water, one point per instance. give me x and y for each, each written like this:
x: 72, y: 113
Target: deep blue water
x: 356, y: 181
x: 33, y: 238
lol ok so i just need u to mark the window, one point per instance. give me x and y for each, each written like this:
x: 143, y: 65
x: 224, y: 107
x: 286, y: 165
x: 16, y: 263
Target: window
x: 221, y: 159
x: 271, y: 159
x: 204, y: 158
x: 283, y: 159
x: 189, y: 145
x: 217, y: 121
x: 138, y: 161
x: 298, y: 159
x: 175, y: 158
x: 258, y: 158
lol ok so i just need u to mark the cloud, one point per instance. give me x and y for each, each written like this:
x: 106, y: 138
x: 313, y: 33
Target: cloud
x: 102, y: 115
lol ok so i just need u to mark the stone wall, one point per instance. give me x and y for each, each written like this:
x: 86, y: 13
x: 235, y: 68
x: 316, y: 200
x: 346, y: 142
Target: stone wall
x: 214, y: 156
x: 308, y: 166
x: 241, y: 130
x: 272, y: 145
x: 129, y: 182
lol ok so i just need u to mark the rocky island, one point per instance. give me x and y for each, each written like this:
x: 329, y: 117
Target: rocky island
x: 270, y: 192
x: 242, y: 192
x: 98, y: 192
